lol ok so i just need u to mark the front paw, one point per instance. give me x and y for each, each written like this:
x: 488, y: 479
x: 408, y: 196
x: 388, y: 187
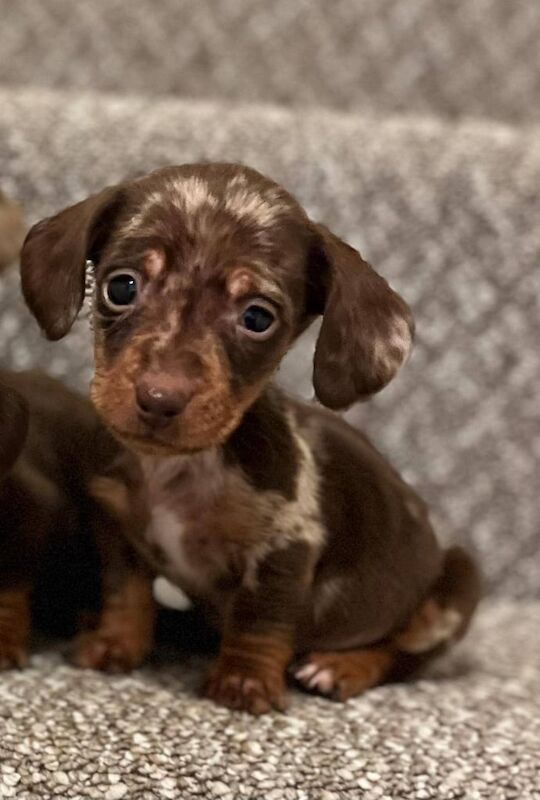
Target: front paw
x: 14, y: 628
x: 121, y: 651
x: 245, y: 688
x: 12, y: 655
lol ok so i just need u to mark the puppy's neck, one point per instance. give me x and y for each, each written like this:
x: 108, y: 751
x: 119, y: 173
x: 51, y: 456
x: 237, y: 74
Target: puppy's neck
x: 169, y: 471
x: 257, y: 440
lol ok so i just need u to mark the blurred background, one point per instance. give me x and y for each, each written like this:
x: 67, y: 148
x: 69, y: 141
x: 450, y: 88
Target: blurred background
x: 408, y: 126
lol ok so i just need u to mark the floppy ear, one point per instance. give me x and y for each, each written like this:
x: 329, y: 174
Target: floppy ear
x: 367, y: 329
x: 13, y: 427
x: 53, y: 259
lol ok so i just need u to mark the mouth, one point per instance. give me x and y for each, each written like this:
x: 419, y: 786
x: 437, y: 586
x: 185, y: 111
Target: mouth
x: 143, y: 442
x: 150, y: 443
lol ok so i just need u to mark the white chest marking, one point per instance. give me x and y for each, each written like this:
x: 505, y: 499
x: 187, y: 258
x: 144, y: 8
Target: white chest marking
x: 166, y: 531
x: 169, y: 595
x: 171, y: 484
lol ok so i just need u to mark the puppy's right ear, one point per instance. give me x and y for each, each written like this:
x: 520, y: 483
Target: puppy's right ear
x: 53, y: 259
x: 13, y: 427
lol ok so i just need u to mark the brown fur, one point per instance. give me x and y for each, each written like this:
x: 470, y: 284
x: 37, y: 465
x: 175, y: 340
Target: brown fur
x: 12, y: 230
x: 13, y: 427
x: 60, y: 546
x: 14, y: 625
x: 279, y: 517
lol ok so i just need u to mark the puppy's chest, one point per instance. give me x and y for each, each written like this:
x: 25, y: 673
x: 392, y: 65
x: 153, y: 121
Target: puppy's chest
x: 203, y: 521
x: 210, y: 528
x: 180, y: 549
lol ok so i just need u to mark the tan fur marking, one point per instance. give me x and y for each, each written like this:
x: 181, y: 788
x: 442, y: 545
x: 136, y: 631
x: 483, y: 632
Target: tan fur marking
x: 239, y: 283
x: 237, y: 180
x: 132, y: 225
x: 245, y: 203
x: 154, y: 263
x: 243, y: 282
x: 14, y: 626
x: 112, y: 494
x: 193, y: 194
x: 249, y: 672
x: 391, y: 352
x: 429, y: 627
x: 345, y: 674
x: 327, y: 595
x: 125, y: 631
x: 12, y: 230
x: 295, y: 520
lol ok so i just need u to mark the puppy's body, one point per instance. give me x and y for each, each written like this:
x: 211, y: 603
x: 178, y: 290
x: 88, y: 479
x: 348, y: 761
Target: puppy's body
x: 60, y: 550
x: 277, y: 490
x: 284, y: 522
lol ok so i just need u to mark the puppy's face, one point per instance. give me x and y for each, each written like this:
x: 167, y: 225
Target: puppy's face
x: 204, y: 277
x: 199, y: 292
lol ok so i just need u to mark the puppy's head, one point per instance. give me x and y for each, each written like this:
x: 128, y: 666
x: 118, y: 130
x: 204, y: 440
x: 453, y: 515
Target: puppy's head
x: 205, y: 275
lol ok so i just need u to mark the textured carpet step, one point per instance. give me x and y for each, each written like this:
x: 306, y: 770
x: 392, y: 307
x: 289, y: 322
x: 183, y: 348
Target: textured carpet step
x: 448, y: 213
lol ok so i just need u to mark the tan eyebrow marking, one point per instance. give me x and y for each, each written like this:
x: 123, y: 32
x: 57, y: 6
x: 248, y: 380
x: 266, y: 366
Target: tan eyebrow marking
x: 154, y: 263
x: 243, y: 281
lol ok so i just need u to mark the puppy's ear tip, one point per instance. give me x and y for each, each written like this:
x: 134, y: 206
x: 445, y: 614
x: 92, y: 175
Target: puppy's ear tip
x: 332, y: 390
x: 53, y: 335
x: 337, y: 398
x: 55, y: 319
x: 57, y: 329
x: 363, y: 370
x: 53, y: 329
x: 329, y: 401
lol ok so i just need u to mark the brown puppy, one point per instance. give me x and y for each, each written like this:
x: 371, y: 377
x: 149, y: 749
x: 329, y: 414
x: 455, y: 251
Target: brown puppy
x: 58, y: 534
x: 293, y: 530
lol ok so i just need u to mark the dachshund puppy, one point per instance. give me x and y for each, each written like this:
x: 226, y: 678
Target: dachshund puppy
x: 59, y: 539
x: 308, y: 550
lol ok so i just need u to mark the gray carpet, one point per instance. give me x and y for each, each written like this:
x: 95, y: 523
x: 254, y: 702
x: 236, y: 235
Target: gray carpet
x: 444, y: 57
x: 469, y: 730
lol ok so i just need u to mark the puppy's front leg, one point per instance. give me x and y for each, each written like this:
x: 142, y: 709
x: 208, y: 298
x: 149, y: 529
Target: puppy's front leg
x: 124, y: 632
x: 259, y: 633
x: 123, y: 635
x: 14, y: 625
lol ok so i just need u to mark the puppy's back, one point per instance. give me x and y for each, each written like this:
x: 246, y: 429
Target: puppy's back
x: 65, y: 437
x: 13, y: 427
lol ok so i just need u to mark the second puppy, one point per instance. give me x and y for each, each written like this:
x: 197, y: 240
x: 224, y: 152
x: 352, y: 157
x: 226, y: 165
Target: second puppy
x: 64, y: 516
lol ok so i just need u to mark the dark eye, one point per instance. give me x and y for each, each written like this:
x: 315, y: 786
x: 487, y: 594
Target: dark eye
x: 120, y: 290
x: 258, y: 320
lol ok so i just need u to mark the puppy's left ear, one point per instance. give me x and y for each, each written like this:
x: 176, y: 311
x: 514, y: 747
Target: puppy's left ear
x: 53, y: 259
x: 367, y: 329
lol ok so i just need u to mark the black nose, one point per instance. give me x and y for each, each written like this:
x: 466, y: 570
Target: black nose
x: 160, y: 399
